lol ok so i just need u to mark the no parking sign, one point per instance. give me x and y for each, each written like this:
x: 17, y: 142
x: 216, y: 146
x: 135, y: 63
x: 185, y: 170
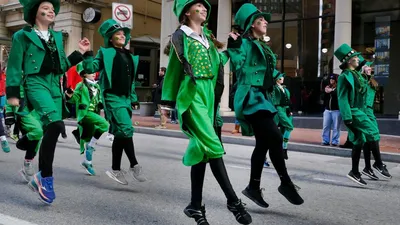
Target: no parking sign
x: 123, y: 14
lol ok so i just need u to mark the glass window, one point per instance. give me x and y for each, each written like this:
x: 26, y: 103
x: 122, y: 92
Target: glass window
x: 142, y: 51
x: 143, y: 74
x: 375, y: 32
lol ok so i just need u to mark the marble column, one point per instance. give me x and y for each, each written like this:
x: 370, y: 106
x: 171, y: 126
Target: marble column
x: 169, y: 23
x: 223, y: 29
x: 343, y: 10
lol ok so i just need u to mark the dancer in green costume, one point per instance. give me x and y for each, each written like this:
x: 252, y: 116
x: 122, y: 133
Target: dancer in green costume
x: 31, y: 128
x: 37, y: 55
x: 368, y: 147
x: 193, y: 82
x: 118, y: 68
x: 352, y: 92
x: 253, y: 62
x: 280, y: 97
x: 88, y: 101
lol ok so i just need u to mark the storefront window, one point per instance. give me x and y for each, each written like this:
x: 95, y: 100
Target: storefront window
x: 375, y: 33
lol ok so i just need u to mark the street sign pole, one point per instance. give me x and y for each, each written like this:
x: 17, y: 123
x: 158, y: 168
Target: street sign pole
x: 123, y: 14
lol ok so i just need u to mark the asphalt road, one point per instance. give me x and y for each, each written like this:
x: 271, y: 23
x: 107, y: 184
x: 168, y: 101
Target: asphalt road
x: 330, y: 198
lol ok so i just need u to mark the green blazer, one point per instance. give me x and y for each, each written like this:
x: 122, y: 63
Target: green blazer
x: 103, y: 62
x: 253, y: 68
x: 345, y: 89
x: 81, y: 96
x: 27, y: 55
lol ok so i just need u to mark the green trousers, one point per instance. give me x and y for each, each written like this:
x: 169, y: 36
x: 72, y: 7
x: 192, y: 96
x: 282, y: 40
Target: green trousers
x: 118, y: 113
x: 197, y: 123
x: 89, y: 125
x: 44, y: 96
x: 29, y: 122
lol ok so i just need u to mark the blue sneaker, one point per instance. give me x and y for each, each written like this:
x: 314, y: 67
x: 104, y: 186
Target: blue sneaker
x: 266, y: 164
x: 89, y: 168
x: 5, y: 146
x: 44, y: 187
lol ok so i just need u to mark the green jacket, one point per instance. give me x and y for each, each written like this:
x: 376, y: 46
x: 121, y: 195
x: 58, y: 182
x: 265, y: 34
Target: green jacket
x: 27, y: 55
x: 346, y: 95
x: 103, y: 62
x: 370, y: 100
x: 81, y: 97
x: 253, y: 64
x: 278, y: 98
x: 179, y: 87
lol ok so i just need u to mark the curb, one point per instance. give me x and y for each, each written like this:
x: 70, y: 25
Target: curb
x: 293, y: 146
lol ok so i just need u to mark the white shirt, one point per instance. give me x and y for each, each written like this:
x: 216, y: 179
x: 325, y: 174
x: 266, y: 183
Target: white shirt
x: 43, y: 34
x: 200, y: 38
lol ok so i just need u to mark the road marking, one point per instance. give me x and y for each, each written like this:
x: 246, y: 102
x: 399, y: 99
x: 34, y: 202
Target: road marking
x: 323, y: 179
x: 248, y: 168
x: 8, y: 220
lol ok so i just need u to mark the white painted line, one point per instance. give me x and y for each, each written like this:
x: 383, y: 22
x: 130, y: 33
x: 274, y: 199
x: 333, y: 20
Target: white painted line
x: 266, y: 170
x: 239, y: 167
x: 8, y: 220
x: 323, y: 179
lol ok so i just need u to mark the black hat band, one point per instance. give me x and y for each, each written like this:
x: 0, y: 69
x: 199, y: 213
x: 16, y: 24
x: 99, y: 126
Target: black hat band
x: 347, y: 57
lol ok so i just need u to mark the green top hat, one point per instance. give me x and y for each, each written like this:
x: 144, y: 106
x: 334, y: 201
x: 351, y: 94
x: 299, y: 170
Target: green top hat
x: 364, y: 62
x: 276, y: 75
x: 181, y: 6
x: 31, y: 4
x: 345, y: 52
x: 109, y: 27
x: 246, y: 15
x: 79, y: 69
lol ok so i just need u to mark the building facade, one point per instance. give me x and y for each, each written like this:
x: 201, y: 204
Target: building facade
x: 145, y: 33
x: 304, y: 34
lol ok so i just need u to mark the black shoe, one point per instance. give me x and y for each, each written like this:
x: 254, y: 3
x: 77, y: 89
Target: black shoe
x: 256, y: 196
x: 23, y: 143
x: 240, y: 213
x: 77, y: 136
x: 382, y: 170
x: 285, y: 156
x: 356, y: 177
x: 369, y: 173
x: 199, y: 215
x: 289, y: 191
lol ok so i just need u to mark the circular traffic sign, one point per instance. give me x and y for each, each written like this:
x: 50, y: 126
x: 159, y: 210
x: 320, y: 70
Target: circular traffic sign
x: 122, y: 13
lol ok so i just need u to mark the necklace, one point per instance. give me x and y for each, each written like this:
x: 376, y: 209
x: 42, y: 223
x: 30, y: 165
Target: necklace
x: 48, y: 39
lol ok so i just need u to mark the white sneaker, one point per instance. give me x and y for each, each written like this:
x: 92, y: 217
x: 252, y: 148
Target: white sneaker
x: 137, y: 173
x: 118, y: 176
x: 27, y: 171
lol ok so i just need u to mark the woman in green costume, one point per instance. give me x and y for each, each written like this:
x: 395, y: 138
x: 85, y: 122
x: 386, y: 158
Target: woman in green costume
x: 31, y: 128
x: 254, y: 63
x: 118, y: 68
x: 37, y: 61
x: 88, y: 101
x: 368, y: 147
x: 281, y: 99
x: 191, y: 81
x: 352, y: 92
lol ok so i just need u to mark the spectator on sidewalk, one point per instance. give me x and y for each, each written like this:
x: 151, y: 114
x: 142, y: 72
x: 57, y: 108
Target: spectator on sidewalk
x: 157, y: 98
x: 332, y: 118
x: 237, y: 127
